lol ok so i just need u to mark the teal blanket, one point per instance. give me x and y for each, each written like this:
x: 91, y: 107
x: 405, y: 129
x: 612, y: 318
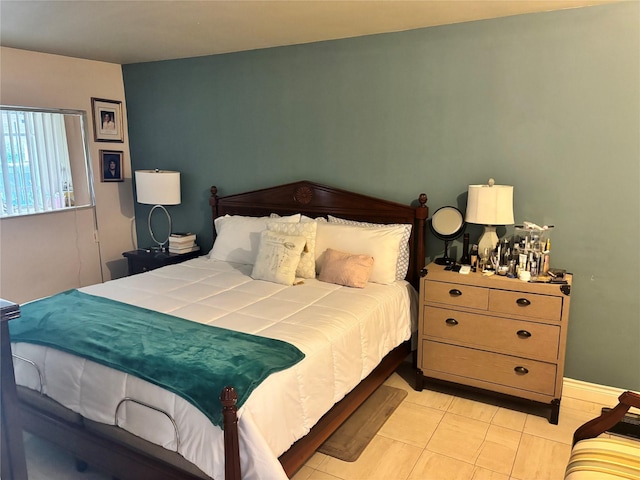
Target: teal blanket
x: 192, y: 360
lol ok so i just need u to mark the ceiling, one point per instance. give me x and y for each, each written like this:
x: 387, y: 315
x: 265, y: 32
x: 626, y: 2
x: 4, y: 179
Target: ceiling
x: 132, y: 31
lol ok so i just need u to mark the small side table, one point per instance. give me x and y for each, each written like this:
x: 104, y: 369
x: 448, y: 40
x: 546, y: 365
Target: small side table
x: 13, y: 462
x: 143, y: 260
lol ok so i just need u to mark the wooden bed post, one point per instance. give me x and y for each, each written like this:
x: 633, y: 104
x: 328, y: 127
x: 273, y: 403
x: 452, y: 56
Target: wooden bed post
x: 228, y: 398
x: 213, y: 201
x: 421, y: 212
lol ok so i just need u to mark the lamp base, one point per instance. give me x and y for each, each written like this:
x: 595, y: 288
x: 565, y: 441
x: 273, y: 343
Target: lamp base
x: 160, y: 244
x: 488, y: 239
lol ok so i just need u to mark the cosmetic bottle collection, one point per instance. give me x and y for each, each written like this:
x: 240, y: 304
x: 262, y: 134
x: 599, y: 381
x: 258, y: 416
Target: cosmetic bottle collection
x: 525, y: 255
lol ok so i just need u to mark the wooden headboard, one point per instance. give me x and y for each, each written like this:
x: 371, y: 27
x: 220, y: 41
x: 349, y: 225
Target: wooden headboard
x: 315, y: 200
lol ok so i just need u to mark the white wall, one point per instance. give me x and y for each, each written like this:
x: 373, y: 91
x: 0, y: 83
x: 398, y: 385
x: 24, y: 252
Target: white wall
x: 48, y: 253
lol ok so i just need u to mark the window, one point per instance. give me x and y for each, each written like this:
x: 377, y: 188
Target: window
x: 44, y: 165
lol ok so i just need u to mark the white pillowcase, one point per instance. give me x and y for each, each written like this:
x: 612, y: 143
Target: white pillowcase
x: 402, y: 267
x: 307, y: 266
x: 278, y: 257
x: 382, y: 243
x: 238, y: 237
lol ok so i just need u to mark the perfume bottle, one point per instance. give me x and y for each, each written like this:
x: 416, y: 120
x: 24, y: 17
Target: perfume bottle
x: 465, y: 259
x: 474, y: 257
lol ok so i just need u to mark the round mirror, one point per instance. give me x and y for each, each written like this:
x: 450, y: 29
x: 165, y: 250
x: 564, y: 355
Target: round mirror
x: 447, y: 223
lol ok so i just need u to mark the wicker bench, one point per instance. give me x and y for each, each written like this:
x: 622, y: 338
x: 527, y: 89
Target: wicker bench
x: 603, y: 458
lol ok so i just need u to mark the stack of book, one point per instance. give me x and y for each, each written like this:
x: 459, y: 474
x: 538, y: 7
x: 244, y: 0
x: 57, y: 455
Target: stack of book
x: 183, y: 243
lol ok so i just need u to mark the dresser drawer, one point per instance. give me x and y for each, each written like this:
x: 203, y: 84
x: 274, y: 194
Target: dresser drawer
x: 514, y: 337
x: 456, y: 295
x: 505, y: 370
x: 532, y: 305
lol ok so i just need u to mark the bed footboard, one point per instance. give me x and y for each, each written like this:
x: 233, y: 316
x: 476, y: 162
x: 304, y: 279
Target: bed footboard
x: 120, y: 453
x: 125, y: 461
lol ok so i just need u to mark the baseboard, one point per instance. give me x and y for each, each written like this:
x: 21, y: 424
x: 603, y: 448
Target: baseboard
x: 590, y: 392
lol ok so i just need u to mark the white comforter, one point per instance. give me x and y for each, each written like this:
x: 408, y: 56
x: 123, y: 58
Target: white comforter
x: 343, y: 332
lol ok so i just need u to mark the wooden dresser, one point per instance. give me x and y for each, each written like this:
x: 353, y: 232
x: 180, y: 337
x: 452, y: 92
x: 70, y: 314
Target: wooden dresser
x: 495, y: 333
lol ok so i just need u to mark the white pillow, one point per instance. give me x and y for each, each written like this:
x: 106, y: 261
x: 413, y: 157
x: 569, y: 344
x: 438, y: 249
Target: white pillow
x: 278, y: 257
x: 307, y: 266
x: 382, y: 243
x: 238, y: 237
x: 402, y: 266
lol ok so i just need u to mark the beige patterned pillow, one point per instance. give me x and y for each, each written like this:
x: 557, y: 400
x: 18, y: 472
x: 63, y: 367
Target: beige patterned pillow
x: 278, y: 257
x: 307, y: 266
x: 345, y: 269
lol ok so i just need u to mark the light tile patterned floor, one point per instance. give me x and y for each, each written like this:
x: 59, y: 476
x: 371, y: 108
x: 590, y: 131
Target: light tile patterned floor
x: 440, y: 435
x: 436, y: 434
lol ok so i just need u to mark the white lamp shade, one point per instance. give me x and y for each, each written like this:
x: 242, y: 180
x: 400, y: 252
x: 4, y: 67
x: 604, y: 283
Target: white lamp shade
x: 158, y: 187
x: 490, y: 205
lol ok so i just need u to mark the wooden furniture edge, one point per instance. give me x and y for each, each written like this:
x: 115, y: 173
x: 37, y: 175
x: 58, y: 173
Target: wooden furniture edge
x: 601, y: 424
x: 14, y: 465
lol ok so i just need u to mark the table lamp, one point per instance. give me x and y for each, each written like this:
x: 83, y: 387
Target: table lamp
x: 489, y: 205
x: 158, y: 188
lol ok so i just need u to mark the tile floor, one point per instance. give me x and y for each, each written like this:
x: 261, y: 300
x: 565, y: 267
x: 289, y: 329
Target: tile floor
x: 436, y: 434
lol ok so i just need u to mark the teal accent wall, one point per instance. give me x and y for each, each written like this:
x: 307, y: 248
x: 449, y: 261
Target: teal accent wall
x: 549, y: 103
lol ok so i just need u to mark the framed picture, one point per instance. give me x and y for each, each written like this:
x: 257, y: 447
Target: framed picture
x: 111, y: 163
x: 107, y: 120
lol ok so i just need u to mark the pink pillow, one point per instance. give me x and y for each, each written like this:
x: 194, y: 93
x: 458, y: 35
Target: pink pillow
x: 346, y: 269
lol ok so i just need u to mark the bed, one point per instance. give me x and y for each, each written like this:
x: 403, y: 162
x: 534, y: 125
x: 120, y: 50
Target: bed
x: 242, y: 448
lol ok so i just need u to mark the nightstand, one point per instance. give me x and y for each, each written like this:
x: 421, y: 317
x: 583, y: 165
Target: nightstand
x: 494, y: 333
x: 143, y: 260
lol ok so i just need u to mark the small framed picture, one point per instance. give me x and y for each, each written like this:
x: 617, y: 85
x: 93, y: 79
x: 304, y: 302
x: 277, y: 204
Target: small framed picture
x: 107, y: 120
x: 111, y: 163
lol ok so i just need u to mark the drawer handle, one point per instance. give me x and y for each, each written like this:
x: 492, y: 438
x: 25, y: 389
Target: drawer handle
x: 451, y: 321
x: 521, y: 370
x: 454, y: 292
x: 523, y: 302
x: 523, y: 334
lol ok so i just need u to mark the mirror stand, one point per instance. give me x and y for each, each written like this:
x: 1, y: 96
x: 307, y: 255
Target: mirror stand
x: 445, y: 259
x: 447, y: 224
